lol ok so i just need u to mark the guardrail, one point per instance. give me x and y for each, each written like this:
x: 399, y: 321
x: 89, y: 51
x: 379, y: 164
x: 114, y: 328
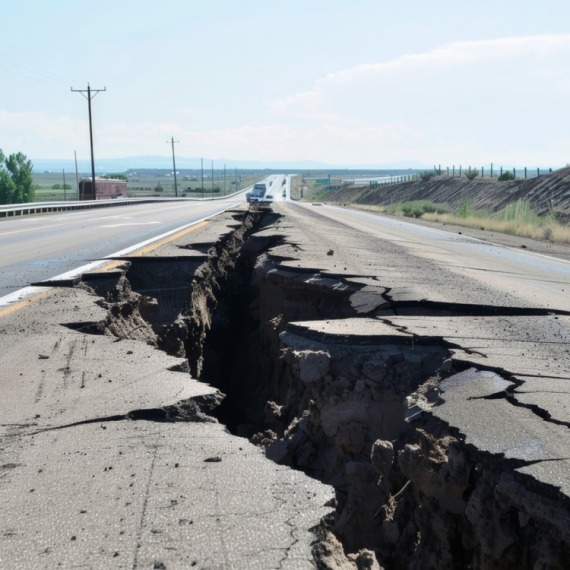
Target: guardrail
x: 48, y: 207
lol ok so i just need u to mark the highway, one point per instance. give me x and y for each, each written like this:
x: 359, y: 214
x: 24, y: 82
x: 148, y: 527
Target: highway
x: 378, y: 367
x: 40, y: 247
x: 35, y: 248
x: 537, y: 280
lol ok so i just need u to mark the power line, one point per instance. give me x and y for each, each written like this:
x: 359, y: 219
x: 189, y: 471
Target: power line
x: 25, y: 67
x: 89, y: 96
x: 34, y: 78
x: 62, y: 74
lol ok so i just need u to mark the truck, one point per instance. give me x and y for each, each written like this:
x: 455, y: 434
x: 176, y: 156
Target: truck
x: 258, y: 193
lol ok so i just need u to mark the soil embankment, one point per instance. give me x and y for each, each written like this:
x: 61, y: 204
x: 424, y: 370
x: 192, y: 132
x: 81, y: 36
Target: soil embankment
x: 547, y: 194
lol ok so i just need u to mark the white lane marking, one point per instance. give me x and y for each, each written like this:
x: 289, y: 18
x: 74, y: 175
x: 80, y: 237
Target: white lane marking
x: 131, y: 224
x: 30, y: 291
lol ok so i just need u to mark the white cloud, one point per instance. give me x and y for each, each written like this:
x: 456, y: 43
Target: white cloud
x: 493, y: 97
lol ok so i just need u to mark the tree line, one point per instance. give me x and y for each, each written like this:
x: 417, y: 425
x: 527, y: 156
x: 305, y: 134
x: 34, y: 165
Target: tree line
x: 16, y: 181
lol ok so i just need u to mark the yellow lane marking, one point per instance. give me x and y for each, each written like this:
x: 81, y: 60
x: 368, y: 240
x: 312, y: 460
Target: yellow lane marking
x: 108, y: 266
x: 177, y: 235
x: 22, y: 304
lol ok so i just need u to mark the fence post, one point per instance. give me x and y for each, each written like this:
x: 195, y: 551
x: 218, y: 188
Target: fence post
x: 491, y: 170
x: 454, y: 171
x: 460, y: 171
x: 525, y: 172
x: 448, y: 171
x: 501, y: 171
x: 514, y: 172
x: 482, y: 172
x: 538, y: 171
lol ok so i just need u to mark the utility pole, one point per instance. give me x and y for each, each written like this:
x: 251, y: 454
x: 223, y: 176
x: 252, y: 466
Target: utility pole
x: 212, y: 179
x: 224, y: 179
x: 202, y: 178
x: 89, y: 96
x: 76, y: 174
x: 235, y: 180
x: 64, y: 192
x: 174, y: 166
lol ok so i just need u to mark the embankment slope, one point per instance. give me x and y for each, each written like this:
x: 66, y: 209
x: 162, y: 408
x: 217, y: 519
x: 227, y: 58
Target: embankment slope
x: 548, y: 193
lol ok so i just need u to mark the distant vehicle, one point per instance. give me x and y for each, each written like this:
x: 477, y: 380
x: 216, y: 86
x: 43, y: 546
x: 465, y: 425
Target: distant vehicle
x: 284, y: 182
x: 105, y: 189
x: 284, y: 194
x: 268, y: 198
x: 258, y: 193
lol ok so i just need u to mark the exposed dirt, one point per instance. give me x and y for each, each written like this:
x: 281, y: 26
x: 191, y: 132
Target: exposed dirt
x: 350, y: 411
x: 547, y: 193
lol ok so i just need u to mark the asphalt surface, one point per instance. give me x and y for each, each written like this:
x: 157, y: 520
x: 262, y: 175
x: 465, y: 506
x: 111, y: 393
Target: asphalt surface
x: 495, y: 308
x: 84, y: 484
x: 35, y: 248
x: 90, y: 477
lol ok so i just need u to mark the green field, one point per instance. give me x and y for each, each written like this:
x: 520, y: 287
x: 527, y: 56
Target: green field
x: 146, y: 186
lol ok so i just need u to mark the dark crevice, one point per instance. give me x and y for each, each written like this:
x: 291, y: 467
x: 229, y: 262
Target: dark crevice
x: 435, y: 308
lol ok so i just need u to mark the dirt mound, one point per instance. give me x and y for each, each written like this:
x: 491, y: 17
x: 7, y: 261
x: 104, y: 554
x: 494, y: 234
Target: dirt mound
x: 548, y: 193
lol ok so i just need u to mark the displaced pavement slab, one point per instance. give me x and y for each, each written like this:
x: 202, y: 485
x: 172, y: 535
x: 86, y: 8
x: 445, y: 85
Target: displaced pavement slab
x: 497, y: 426
x: 532, y: 349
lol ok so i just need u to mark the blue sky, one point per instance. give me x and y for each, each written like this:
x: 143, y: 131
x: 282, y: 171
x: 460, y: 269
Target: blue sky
x: 343, y: 83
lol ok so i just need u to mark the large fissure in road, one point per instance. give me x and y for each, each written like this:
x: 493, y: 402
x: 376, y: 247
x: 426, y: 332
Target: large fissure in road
x: 353, y: 409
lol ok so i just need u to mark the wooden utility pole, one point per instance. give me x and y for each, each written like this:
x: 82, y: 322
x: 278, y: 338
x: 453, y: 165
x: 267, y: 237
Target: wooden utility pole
x: 89, y: 96
x: 76, y: 174
x: 172, y: 141
x: 202, y: 178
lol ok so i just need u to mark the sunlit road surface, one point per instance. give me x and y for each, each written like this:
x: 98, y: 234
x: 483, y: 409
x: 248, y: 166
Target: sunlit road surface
x: 540, y: 280
x: 35, y: 248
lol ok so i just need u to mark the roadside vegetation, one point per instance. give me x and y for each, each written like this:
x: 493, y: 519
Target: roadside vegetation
x: 16, y: 182
x: 517, y: 218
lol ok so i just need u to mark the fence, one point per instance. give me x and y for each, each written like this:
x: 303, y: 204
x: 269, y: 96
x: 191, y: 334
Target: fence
x: 490, y: 171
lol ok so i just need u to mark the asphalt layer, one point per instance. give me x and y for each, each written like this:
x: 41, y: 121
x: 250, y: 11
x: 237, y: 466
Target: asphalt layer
x: 91, y: 474
x: 489, y: 323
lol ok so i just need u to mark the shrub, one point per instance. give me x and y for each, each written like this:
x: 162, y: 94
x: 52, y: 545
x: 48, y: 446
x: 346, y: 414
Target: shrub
x: 472, y: 174
x: 426, y: 175
x: 508, y: 175
x: 464, y: 210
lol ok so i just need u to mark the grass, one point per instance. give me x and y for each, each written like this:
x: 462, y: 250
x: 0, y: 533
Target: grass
x: 516, y: 219
x: 143, y: 186
x: 316, y: 191
x: 416, y: 209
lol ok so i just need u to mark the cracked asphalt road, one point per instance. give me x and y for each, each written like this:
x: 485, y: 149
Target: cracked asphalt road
x: 495, y: 308
x: 83, y: 485
x: 155, y: 494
